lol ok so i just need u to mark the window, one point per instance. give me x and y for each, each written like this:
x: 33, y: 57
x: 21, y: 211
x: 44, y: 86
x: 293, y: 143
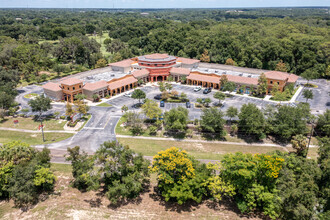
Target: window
x: 271, y: 82
x: 79, y: 86
x: 68, y: 88
x: 278, y: 83
x: 73, y: 88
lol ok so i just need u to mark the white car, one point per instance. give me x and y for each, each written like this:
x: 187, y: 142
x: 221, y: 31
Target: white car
x: 198, y: 88
x: 128, y: 94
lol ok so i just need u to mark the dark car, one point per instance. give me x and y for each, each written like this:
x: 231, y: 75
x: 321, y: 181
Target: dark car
x: 158, y: 97
x: 162, y: 104
x: 188, y: 105
x: 207, y: 90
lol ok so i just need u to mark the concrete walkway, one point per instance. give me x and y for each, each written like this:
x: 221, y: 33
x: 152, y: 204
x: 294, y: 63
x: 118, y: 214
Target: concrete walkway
x: 36, y: 131
x: 204, y: 141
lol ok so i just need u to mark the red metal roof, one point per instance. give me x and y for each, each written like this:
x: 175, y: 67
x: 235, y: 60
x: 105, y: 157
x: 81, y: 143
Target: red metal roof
x: 96, y: 85
x: 156, y: 56
x: 123, y: 63
x: 120, y: 82
x: 140, y: 73
x: 180, y: 71
x: 204, y: 77
x: 52, y: 86
x: 187, y: 60
x: 242, y: 80
x: 292, y: 78
x: 71, y: 81
x: 277, y: 75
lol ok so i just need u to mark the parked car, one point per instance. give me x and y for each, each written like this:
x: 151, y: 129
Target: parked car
x: 188, y: 105
x: 158, y: 97
x: 207, y: 90
x: 128, y: 94
x: 162, y: 104
x: 197, y: 88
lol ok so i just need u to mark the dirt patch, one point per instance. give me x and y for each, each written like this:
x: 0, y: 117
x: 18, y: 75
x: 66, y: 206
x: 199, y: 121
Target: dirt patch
x: 69, y: 203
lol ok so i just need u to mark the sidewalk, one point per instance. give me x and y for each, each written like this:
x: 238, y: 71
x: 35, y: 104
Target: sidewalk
x: 204, y: 141
x: 36, y: 131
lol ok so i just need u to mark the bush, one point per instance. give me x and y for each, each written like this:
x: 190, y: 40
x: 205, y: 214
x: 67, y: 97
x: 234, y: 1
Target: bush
x: 152, y: 130
x: 62, y: 117
x: 24, y: 173
x: 180, y: 177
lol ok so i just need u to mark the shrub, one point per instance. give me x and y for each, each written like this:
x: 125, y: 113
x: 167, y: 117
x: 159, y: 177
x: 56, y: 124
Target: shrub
x: 152, y: 130
x: 180, y: 177
x: 62, y: 117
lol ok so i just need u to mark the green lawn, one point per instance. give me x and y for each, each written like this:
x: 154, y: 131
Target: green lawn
x: 30, y: 124
x: 212, y: 151
x: 31, y: 95
x: 32, y: 138
x: 104, y: 104
x: 100, y: 40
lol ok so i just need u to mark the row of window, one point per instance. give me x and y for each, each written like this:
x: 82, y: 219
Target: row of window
x: 73, y: 88
x: 157, y: 64
x: 271, y: 82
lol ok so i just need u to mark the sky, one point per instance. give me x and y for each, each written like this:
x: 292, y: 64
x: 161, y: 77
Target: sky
x: 159, y: 3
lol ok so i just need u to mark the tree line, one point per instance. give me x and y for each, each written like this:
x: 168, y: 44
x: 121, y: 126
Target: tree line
x: 278, y: 185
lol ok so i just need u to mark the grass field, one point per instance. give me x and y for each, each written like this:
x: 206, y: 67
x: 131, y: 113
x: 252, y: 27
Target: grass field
x: 104, y: 104
x: 30, y: 124
x: 100, y: 40
x: 212, y: 151
x: 30, y: 95
x: 32, y: 138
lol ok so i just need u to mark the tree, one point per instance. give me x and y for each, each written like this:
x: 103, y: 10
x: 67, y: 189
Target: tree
x: 262, y: 84
x: 252, y: 180
x: 95, y: 97
x: 309, y: 74
x: 175, y: 93
x: 231, y: 112
x: 229, y: 86
x: 275, y: 89
x: 81, y: 107
x: 165, y: 95
x: 324, y: 164
x: 24, y: 173
x: 251, y: 121
x: 183, y: 96
x: 205, y: 57
x: 308, y: 94
x: 230, y: 62
x: 134, y: 121
x: 323, y: 124
x: 297, y: 188
x: 220, y: 96
x: 138, y: 94
x: 280, y: 66
x: 124, y: 108
x: 124, y: 173
x: 180, y: 177
x: 207, y: 101
x: 150, y: 109
x: 101, y: 63
x: 40, y: 104
x: 69, y: 110
x: 85, y: 178
x: 80, y: 96
x: 223, y: 80
x: 8, y: 83
x: 161, y: 86
x: 2, y: 113
x: 176, y: 119
x: 212, y: 121
x: 183, y: 79
x: 168, y: 86
x: 290, y: 121
x: 299, y: 143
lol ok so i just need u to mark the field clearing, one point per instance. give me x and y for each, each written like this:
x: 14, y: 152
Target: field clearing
x: 32, y: 138
x: 211, y: 151
x: 69, y: 203
x: 30, y: 124
x: 100, y: 40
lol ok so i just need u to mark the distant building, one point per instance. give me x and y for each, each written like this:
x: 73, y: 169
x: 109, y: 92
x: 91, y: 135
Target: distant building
x: 158, y: 67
